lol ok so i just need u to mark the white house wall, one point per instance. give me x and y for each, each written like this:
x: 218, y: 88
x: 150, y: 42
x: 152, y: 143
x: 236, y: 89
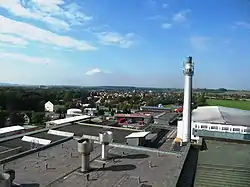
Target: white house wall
x: 49, y: 106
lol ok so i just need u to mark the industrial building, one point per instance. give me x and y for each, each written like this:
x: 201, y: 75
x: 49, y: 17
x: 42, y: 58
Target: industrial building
x: 49, y: 157
x: 134, y: 121
x: 72, y: 152
x: 155, y: 109
x: 219, y: 122
x: 74, y: 112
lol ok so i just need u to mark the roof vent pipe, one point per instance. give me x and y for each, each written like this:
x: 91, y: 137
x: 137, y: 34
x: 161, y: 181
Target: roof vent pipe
x: 12, y: 174
x: 106, y: 137
x: 85, y: 147
x: 5, y: 180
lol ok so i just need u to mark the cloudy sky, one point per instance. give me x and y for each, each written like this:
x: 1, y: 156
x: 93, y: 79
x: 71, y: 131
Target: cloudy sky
x: 129, y: 42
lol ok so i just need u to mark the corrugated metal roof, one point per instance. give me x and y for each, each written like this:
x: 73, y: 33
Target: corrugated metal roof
x: 137, y: 135
x: 68, y: 120
x: 221, y: 115
x: 36, y: 140
x: 223, y: 164
x: 10, y: 129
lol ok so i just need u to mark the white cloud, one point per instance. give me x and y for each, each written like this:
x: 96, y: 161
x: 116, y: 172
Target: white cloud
x: 12, y: 39
x: 49, y: 6
x: 243, y: 24
x: 23, y: 69
x: 166, y: 25
x: 113, y: 38
x: 157, y: 17
x: 181, y: 16
x: 10, y: 57
x: 10, y: 45
x: 95, y: 71
x: 151, y: 2
x: 165, y: 5
x: 32, y: 33
x: 199, y: 43
x: 56, y: 13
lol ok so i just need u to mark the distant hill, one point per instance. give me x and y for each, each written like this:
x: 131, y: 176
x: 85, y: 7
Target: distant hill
x: 8, y: 84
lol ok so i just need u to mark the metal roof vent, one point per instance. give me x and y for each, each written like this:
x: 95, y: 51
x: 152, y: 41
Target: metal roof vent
x: 106, y: 137
x: 5, y: 180
x: 85, y: 147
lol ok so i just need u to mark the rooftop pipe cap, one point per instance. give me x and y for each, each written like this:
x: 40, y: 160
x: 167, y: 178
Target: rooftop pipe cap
x: 106, y: 137
x: 5, y: 180
x: 12, y: 174
x: 85, y: 146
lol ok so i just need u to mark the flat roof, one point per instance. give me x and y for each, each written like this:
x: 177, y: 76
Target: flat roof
x: 155, y: 108
x: 69, y: 120
x: 135, y: 115
x: 79, y: 129
x: 57, y: 166
x: 17, y: 142
x: 119, y: 135
x: 137, y: 135
x: 10, y: 129
x: 223, y: 164
x: 2, y: 148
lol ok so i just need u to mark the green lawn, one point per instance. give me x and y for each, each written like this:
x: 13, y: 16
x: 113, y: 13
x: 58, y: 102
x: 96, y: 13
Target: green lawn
x: 245, y: 105
x: 168, y: 106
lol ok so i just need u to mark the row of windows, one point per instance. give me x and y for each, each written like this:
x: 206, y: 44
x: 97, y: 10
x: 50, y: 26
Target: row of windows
x: 235, y: 129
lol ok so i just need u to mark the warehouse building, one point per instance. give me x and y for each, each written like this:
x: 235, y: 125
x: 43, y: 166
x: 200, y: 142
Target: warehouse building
x: 219, y: 122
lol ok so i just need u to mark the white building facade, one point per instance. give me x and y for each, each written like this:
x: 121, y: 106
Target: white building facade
x: 91, y: 111
x: 74, y: 112
x: 49, y: 106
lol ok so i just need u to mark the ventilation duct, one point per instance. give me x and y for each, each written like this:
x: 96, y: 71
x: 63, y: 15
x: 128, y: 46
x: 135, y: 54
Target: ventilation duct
x: 5, y: 180
x: 85, y: 147
x: 106, y: 137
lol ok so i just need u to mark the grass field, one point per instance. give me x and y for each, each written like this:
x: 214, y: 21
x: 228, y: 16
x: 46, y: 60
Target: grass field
x: 245, y: 105
x: 168, y: 106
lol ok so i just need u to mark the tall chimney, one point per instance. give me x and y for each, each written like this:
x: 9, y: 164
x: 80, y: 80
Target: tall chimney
x: 187, y: 106
x: 85, y: 147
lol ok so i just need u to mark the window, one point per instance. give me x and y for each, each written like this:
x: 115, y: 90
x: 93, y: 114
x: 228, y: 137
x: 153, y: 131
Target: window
x: 236, y: 129
x: 214, y: 127
x: 203, y: 126
x: 225, y: 128
x: 247, y: 130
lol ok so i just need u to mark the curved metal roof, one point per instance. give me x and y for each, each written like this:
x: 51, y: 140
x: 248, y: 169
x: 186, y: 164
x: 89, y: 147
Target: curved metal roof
x: 221, y: 115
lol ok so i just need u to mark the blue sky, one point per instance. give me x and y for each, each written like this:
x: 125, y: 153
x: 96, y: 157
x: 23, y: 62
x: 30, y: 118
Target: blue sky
x: 132, y: 42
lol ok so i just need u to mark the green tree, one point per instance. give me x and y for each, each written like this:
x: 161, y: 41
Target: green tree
x: 101, y: 112
x: 37, y: 118
x: 69, y: 105
x: 60, y: 110
x: 200, y: 100
x: 68, y: 96
x: 3, y: 116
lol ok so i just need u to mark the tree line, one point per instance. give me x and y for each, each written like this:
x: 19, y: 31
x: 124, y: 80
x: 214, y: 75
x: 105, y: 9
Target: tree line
x: 15, y: 102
